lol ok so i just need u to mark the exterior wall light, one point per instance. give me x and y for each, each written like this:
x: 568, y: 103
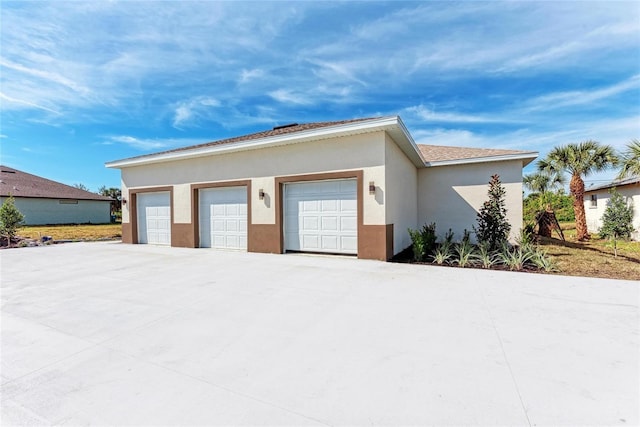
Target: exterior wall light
x: 124, y: 201
x: 261, y: 194
x: 372, y: 187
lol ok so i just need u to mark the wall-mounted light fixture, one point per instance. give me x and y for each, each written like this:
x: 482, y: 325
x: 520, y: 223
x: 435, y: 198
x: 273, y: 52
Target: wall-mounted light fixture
x: 124, y: 201
x: 372, y: 187
x: 261, y: 194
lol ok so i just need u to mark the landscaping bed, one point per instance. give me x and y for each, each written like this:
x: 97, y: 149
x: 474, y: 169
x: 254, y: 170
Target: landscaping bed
x: 35, y: 235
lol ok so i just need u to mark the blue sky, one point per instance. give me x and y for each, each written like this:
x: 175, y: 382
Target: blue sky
x: 83, y: 83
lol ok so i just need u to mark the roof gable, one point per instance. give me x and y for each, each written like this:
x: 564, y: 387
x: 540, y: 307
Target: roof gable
x: 21, y: 184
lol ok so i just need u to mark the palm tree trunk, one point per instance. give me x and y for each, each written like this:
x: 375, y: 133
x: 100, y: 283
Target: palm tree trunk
x: 576, y: 187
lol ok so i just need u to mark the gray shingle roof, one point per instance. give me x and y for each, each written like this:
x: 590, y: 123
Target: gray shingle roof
x: 277, y: 131
x: 438, y: 153
x: 21, y: 184
x: 619, y: 183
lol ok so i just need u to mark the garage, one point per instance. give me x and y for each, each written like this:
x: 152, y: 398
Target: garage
x: 154, y: 218
x: 321, y: 216
x: 223, y: 218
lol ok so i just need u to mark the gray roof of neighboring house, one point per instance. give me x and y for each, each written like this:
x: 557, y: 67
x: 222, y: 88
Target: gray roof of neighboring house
x: 618, y: 183
x: 21, y: 184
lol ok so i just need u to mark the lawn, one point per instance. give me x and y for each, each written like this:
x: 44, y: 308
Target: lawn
x: 83, y: 232
x: 593, y: 258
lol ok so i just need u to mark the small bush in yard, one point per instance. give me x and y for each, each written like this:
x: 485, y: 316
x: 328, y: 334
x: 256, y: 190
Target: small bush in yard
x: 493, y: 228
x: 515, y: 258
x: 485, y: 257
x: 423, y: 241
x: 443, y: 253
x: 617, y: 221
x: 465, y: 253
x: 10, y: 219
x: 541, y: 260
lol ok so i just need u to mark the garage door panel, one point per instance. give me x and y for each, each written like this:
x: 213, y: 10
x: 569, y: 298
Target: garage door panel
x: 348, y: 224
x: 321, y: 216
x: 154, y: 218
x: 329, y: 223
x: 349, y: 242
x: 223, y: 218
x: 330, y: 243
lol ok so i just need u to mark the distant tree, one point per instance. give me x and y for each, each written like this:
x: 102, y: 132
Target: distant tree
x: 10, y: 219
x: 493, y: 227
x: 542, y: 184
x: 617, y: 221
x: 115, y: 194
x: 630, y: 160
x: 81, y: 186
x: 579, y: 160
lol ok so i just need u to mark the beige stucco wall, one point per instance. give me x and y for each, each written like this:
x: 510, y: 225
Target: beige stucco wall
x: 594, y: 214
x: 451, y: 196
x: 365, y: 151
x: 399, y: 194
x: 50, y: 211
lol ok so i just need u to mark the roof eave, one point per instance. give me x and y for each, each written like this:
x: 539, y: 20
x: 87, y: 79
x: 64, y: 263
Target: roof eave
x: 391, y: 124
x: 526, y: 158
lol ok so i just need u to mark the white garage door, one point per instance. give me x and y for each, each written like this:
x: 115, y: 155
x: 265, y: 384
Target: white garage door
x: 154, y: 218
x: 223, y: 218
x: 321, y: 216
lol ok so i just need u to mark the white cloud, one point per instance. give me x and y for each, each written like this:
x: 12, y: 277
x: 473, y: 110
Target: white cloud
x: 3, y: 136
x: 581, y: 97
x: 252, y: 74
x: 148, y: 144
x: 21, y: 103
x: 192, y: 109
x: 421, y: 112
x: 289, y: 97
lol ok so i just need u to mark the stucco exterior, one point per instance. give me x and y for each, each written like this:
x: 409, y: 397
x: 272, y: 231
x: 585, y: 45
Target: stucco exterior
x: 396, y: 188
x: 39, y: 211
x: 360, y: 152
x: 452, y: 195
x: 594, y: 211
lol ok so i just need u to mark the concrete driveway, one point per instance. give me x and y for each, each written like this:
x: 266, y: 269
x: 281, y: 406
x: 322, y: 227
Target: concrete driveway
x: 106, y: 333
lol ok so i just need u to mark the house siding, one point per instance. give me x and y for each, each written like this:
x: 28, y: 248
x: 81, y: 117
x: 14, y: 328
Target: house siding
x: 451, y: 196
x: 364, y: 153
x: 594, y: 214
x: 399, y: 194
x: 39, y: 211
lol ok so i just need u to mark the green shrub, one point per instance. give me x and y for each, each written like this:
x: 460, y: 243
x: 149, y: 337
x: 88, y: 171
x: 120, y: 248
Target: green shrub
x: 515, y: 258
x: 423, y: 241
x: 493, y: 227
x: 541, y: 260
x: 465, y: 253
x: 485, y: 257
x: 443, y: 253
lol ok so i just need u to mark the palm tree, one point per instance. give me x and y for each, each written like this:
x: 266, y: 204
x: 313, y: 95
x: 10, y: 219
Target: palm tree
x: 542, y: 183
x: 630, y: 160
x: 579, y: 160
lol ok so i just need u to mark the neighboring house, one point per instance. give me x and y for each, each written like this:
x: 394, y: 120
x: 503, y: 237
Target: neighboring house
x: 43, y: 201
x: 596, y: 199
x: 348, y: 187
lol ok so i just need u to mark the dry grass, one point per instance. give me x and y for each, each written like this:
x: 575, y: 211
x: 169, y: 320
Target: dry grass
x: 85, y: 232
x: 593, y: 258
